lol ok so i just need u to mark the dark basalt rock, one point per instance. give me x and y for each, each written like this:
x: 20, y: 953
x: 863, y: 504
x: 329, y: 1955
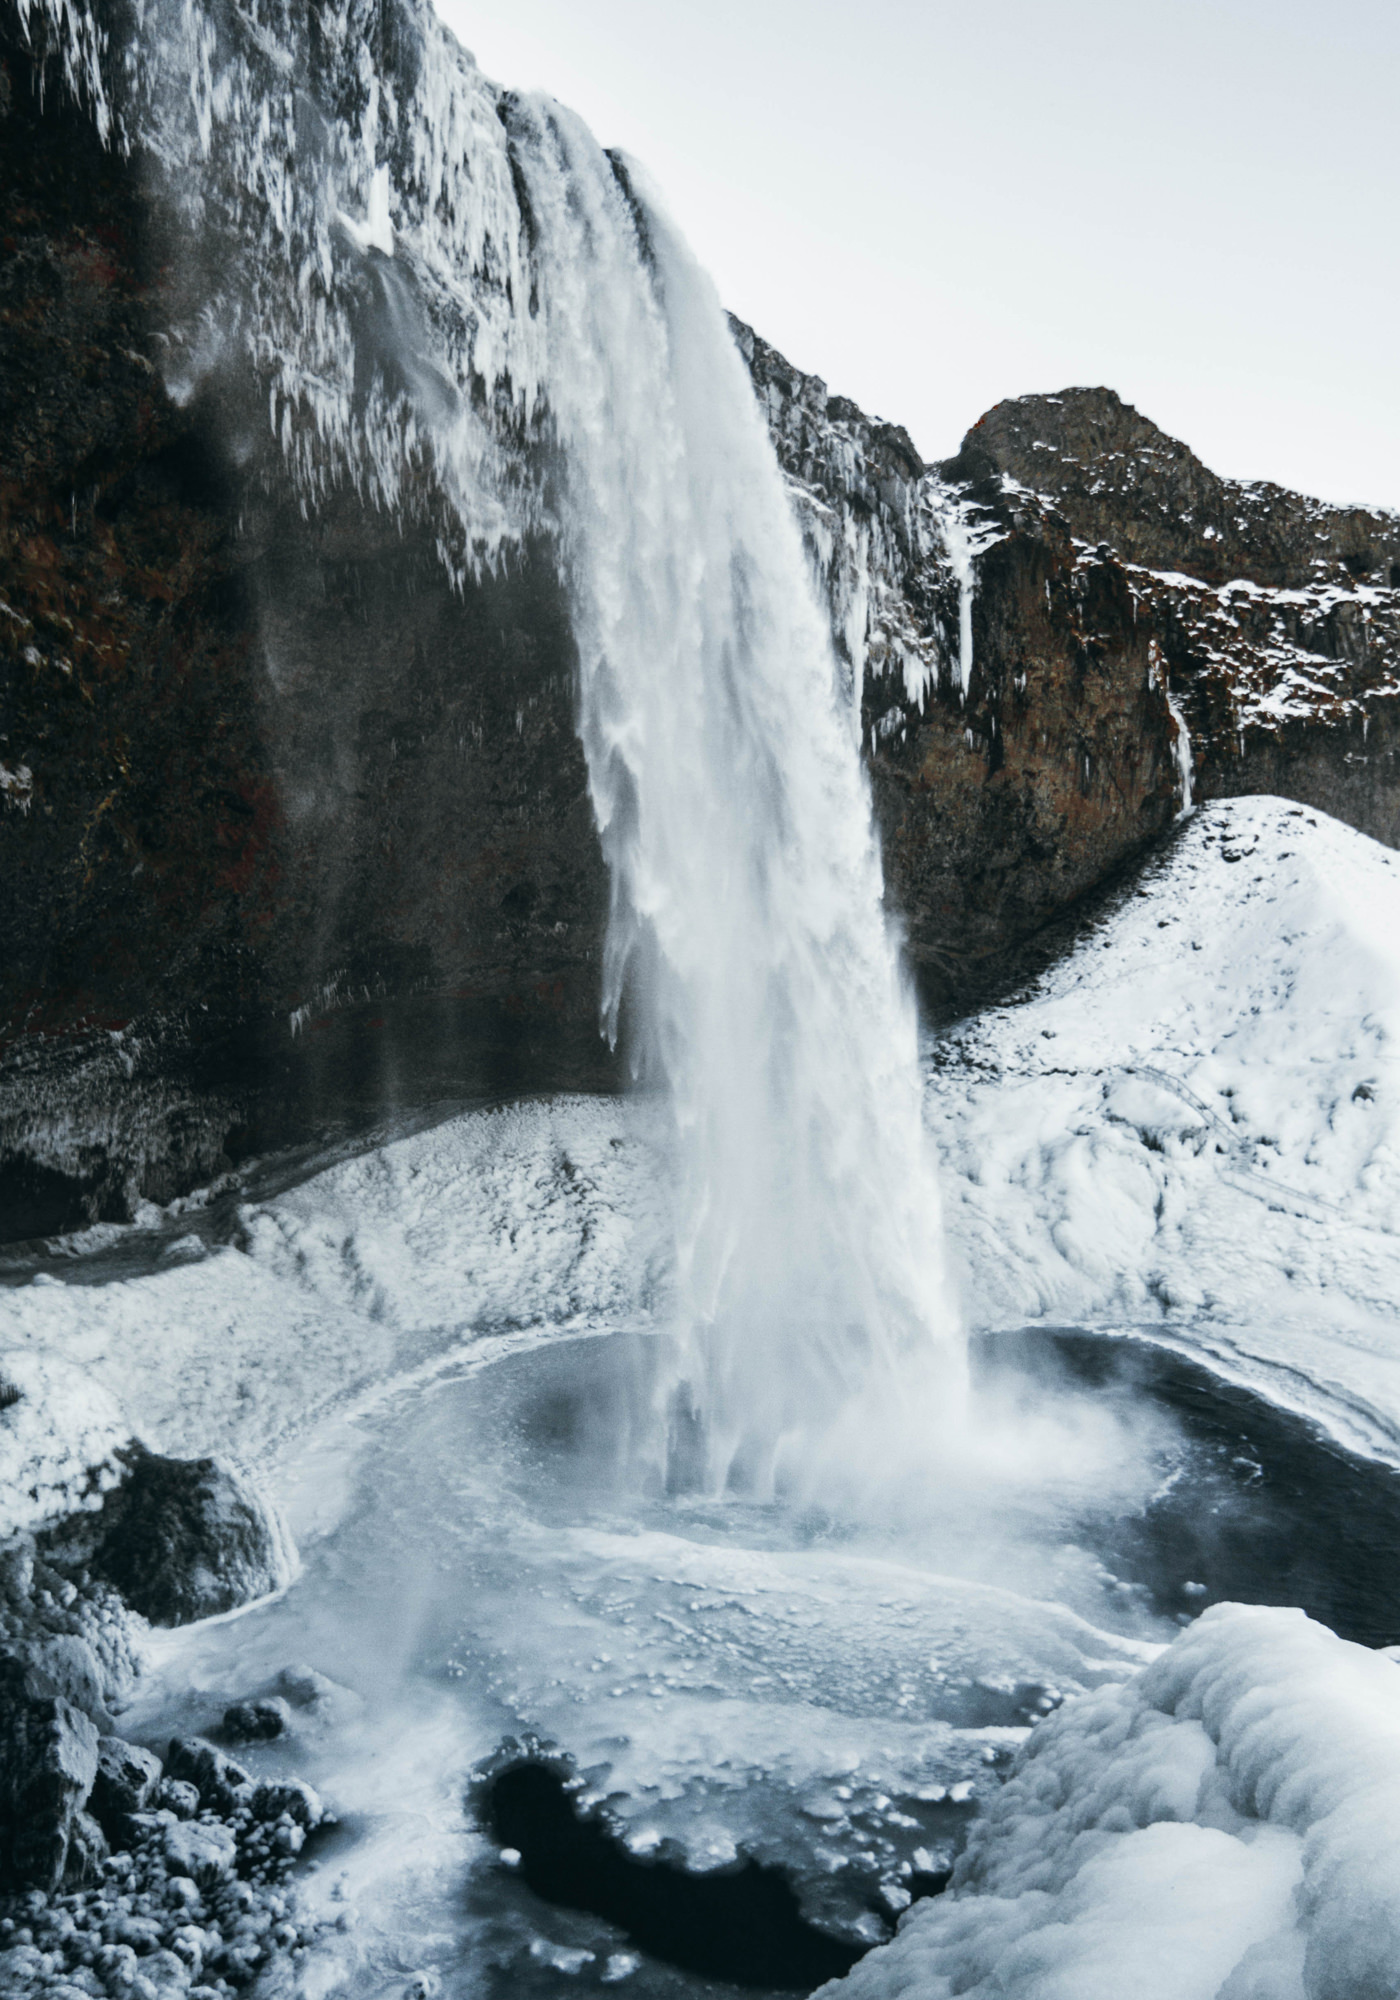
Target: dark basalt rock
x: 178, y: 1796
x: 48, y: 1759
x: 289, y: 1798
x: 126, y: 1780
x: 220, y: 1783
x: 183, y: 1539
x: 260, y: 1721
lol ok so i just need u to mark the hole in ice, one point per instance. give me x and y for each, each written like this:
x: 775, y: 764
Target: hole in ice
x: 741, y: 1924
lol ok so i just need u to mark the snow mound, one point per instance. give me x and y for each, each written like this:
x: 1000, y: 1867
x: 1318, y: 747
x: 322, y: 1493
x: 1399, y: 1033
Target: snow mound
x: 540, y: 1213
x: 1194, y: 1119
x: 1226, y: 1826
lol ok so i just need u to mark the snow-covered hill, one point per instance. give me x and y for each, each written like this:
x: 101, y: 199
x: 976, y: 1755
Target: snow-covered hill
x: 1193, y: 1122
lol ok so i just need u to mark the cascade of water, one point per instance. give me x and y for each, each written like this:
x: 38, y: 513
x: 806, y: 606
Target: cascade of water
x: 747, y: 906
x: 1184, y: 762
x: 404, y: 213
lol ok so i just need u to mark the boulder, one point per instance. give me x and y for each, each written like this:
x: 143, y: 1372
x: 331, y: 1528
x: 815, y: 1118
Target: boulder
x: 178, y: 1796
x: 183, y: 1539
x: 126, y: 1780
x: 259, y: 1721
x: 220, y: 1783
x: 72, y: 1666
x: 291, y: 1798
x: 48, y: 1760
x: 201, y: 1851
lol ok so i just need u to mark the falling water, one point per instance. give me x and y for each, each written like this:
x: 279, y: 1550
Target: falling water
x: 747, y: 926
x: 523, y: 280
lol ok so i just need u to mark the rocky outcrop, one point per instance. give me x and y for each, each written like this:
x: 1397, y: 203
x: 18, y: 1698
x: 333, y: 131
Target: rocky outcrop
x: 1073, y: 629
x: 183, y: 1539
x: 1117, y: 478
x: 166, y: 1886
x: 1275, y: 618
x: 48, y: 1757
x: 173, y: 1869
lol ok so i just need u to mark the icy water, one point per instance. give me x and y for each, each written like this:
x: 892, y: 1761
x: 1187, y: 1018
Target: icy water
x: 492, y: 1577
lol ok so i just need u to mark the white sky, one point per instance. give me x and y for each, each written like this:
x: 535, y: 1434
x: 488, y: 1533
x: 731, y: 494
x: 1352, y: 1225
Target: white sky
x: 935, y: 206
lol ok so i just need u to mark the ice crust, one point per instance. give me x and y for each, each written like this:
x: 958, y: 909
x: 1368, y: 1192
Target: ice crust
x: 1224, y: 1827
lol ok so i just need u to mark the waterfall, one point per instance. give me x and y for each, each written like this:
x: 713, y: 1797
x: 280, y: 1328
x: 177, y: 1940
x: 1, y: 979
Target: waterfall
x: 1184, y: 762
x: 358, y: 203
x: 747, y: 921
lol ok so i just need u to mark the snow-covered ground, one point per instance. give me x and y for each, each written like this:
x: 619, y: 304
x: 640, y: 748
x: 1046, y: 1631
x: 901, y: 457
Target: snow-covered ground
x: 1193, y: 1123
x: 535, y: 1220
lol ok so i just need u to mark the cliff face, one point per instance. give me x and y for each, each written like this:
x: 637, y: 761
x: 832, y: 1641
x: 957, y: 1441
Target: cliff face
x: 1013, y: 711
x: 293, y: 819
x: 1276, y: 617
x: 1072, y: 628
x: 268, y: 775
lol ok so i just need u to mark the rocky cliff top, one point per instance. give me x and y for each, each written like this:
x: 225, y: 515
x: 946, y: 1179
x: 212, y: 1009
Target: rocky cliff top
x: 1118, y: 478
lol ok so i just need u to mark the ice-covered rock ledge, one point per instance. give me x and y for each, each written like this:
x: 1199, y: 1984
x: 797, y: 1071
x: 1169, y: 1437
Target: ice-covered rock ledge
x: 1224, y: 1827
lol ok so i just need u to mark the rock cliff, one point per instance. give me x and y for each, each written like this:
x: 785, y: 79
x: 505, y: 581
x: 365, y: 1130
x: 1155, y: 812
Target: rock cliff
x: 294, y: 824
x: 1073, y: 629
x: 293, y: 820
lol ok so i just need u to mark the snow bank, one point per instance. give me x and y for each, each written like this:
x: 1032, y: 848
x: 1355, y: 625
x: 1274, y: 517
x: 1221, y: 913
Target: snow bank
x: 59, y: 1431
x: 1226, y: 1826
x: 541, y: 1215
x: 1194, y: 1121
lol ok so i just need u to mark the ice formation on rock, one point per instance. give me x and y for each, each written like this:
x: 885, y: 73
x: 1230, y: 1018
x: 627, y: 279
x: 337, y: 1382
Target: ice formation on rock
x: 1224, y: 1827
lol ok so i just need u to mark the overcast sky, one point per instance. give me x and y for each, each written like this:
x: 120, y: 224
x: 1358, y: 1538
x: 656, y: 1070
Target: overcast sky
x: 935, y: 206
